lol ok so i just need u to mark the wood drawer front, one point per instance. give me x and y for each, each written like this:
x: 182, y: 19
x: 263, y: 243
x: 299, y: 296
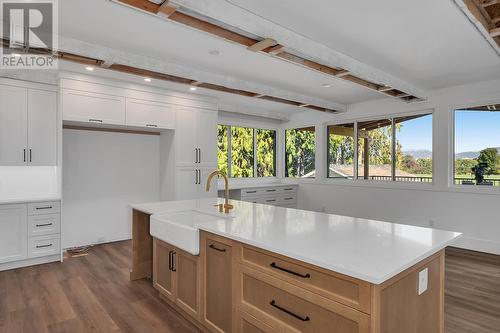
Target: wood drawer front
x: 342, y: 289
x: 40, y: 208
x: 40, y: 225
x: 248, y: 324
x: 44, y: 246
x: 298, y: 310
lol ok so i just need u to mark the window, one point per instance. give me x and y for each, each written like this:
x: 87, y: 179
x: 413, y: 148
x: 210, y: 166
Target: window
x: 340, y: 150
x: 388, y: 149
x: 300, y: 150
x: 246, y: 152
x: 477, y: 146
x: 266, y: 158
x: 375, y: 149
x: 242, y: 152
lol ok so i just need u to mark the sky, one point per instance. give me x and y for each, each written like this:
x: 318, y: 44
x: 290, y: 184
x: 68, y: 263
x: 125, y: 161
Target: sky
x: 474, y: 131
x: 416, y: 134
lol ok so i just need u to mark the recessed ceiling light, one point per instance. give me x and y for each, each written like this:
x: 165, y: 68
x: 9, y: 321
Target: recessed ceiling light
x: 326, y: 85
x: 147, y: 79
x: 214, y: 52
x: 192, y: 88
x: 89, y: 68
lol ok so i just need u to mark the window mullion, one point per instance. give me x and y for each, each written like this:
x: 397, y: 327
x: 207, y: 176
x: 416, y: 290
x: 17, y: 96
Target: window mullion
x: 254, y: 152
x: 229, y: 151
x: 393, y: 152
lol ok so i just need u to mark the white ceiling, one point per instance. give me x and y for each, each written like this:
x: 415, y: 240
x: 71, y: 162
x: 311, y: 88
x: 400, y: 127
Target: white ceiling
x: 429, y: 43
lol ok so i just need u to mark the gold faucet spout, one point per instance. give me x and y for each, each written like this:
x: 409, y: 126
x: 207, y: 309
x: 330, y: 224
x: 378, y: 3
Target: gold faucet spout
x: 227, y: 207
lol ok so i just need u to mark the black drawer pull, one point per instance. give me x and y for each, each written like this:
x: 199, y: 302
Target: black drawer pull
x: 170, y: 260
x: 46, y: 207
x: 151, y: 125
x: 273, y: 304
x: 273, y: 190
x: 44, y: 225
x: 95, y: 120
x: 305, y: 276
x: 288, y: 199
x: 42, y: 246
x: 251, y: 192
x: 271, y: 200
x: 174, y: 267
x: 212, y: 246
x: 288, y: 189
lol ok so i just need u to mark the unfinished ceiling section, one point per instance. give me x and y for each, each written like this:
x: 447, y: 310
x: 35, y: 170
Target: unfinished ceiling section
x: 263, y: 44
x: 167, y: 77
x: 487, y: 15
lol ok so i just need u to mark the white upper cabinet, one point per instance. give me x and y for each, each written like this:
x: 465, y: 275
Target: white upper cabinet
x: 42, y: 127
x: 13, y: 125
x: 142, y: 113
x: 28, y: 126
x: 196, y: 138
x: 13, y: 231
x: 93, y: 107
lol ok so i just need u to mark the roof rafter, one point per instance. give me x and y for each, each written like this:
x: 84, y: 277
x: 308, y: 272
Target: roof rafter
x: 266, y: 45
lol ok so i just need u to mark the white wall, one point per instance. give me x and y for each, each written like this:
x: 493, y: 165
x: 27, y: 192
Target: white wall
x: 103, y: 173
x: 469, y: 210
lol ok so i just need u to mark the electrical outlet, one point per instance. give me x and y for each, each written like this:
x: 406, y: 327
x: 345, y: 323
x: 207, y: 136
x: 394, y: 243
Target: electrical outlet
x: 423, y: 281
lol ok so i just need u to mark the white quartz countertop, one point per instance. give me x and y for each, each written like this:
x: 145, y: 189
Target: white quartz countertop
x: 369, y: 250
x: 28, y: 199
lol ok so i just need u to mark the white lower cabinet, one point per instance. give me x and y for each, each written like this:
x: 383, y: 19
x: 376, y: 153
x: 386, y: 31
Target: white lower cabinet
x: 190, y: 183
x: 29, y: 231
x: 276, y: 195
x: 13, y: 233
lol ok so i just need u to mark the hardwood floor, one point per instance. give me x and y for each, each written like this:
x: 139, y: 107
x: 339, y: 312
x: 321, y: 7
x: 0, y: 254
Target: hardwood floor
x: 93, y: 294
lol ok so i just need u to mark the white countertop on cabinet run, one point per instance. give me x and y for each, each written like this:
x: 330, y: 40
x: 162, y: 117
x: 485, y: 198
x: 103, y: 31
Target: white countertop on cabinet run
x: 369, y: 250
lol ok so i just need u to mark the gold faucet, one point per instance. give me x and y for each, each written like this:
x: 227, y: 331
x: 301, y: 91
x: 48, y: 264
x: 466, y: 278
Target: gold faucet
x: 226, y: 207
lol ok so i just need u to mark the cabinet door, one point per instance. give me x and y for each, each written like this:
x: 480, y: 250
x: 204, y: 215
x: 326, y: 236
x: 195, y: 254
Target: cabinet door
x: 150, y: 114
x: 186, y: 137
x: 213, y: 189
x: 92, y: 107
x: 218, y: 307
x: 42, y: 127
x: 13, y: 125
x: 186, y: 183
x: 163, y: 275
x: 187, y: 282
x: 207, y: 137
x: 13, y: 233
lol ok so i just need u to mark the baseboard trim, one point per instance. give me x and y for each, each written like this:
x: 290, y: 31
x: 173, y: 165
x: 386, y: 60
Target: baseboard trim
x: 29, y: 262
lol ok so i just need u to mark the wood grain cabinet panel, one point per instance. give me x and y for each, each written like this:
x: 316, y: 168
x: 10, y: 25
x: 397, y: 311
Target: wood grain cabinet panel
x: 249, y: 324
x: 163, y: 276
x: 337, y: 287
x: 274, y: 302
x: 218, y: 297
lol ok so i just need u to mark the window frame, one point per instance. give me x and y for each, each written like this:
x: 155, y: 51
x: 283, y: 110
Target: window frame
x: 254, y: 128
x: 391, y: 183
x: 495, y: 190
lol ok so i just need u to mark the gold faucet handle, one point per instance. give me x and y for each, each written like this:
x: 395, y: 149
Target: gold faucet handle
x: 227, y: 208
x: 220, y: 206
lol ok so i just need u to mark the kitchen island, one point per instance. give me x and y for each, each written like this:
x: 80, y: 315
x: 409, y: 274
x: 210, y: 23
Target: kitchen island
x: 272, y: 269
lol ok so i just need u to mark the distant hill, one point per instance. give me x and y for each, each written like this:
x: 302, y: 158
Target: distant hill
x: 471, y: 154
x: 421, y: 153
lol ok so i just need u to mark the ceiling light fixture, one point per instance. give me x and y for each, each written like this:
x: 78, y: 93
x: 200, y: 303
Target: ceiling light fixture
x: 89, y: 68
x: 326, y: 85
x: 147, y: 79
x: 192, y: 88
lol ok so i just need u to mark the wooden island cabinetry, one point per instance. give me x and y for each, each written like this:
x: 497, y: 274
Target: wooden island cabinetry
x: 234, y: 287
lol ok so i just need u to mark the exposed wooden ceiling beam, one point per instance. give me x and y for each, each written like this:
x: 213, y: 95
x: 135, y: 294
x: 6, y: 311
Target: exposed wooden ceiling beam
x: 263, y: 44
x: 495, y: 21
x: 268, y: 45
x: 384, y: 89
x: 106, y: 64
x: 495, y: 32
x: 196, y: 83
x: 490, y: 3
x: 166, y: 9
